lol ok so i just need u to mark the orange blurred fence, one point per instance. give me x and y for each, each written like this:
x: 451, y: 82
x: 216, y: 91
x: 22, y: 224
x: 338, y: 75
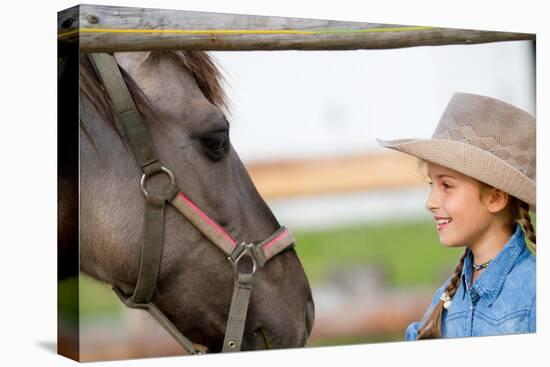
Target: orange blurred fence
x: 361, y: 172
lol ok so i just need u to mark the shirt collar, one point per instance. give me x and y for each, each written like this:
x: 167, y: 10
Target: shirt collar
x: 489, y: 284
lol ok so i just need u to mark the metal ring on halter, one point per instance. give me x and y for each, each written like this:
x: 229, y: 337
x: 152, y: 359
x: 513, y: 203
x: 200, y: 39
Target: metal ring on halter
x: 144, y: 176
x: 246, y: 251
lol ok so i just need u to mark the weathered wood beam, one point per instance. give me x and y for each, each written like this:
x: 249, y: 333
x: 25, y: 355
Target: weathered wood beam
x: 108, y: 29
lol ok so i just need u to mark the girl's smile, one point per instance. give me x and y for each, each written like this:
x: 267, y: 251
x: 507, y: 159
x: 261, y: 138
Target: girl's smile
x: 441, y: 223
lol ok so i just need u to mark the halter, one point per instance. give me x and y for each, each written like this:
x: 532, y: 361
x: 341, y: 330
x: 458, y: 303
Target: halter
x: 130, y: 123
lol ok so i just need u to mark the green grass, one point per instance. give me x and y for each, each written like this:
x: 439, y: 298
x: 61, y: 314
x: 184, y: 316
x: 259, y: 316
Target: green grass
x: 409, y: 252
x: 97, y: 297
x: 67, y: 300
x: 85, y: 296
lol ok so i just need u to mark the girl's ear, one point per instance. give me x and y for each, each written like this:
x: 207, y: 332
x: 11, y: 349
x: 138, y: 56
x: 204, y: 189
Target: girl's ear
x: 496, y: 200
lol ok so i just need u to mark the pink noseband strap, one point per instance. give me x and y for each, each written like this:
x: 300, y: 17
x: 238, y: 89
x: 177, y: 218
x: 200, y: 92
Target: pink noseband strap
x: 271, y: 246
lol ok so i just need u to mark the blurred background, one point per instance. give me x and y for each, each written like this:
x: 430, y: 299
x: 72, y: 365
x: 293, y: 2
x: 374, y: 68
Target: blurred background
x: 305, y: 124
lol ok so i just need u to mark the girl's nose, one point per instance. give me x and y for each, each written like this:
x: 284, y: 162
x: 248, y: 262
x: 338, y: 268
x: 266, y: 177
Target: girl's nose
x: 431, y: 202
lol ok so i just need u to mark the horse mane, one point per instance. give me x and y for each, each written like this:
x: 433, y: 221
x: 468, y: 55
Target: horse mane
x: 198, y: 63
x: 204, y: 70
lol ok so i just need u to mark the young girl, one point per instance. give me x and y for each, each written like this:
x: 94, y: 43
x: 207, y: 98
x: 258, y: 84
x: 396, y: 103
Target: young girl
x: 481, y: 166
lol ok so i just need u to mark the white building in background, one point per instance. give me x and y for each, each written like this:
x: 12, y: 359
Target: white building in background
x: 299, y: 104
x: 302, y: 103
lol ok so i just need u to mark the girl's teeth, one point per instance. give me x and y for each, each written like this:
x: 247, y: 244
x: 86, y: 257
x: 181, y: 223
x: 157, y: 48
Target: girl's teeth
x: 443, y: 221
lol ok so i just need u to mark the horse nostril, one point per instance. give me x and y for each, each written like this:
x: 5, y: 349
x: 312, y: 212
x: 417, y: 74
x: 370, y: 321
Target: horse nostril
x: 310, y: 316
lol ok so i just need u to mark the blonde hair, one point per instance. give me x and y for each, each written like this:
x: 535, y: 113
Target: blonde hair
x: 431, y: 328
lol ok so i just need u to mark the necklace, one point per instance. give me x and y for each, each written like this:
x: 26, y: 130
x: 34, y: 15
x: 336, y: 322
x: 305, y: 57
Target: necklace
x: 480, y: 266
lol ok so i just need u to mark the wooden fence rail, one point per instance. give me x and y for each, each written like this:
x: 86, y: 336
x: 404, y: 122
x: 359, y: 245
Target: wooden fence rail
x: 108, y: 29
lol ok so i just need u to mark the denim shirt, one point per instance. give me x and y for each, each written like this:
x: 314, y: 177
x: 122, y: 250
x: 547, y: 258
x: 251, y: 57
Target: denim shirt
x: 501, y: 301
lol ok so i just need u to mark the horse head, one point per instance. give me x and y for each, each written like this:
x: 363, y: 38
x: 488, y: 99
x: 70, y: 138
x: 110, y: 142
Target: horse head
x: 180, y: 97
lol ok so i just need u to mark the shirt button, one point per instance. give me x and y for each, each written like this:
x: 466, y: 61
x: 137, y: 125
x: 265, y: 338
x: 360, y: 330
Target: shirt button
x: 471, y: 307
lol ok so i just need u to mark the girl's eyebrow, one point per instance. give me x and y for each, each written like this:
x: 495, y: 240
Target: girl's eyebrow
x: 445, y: 176
x: 442, y: 176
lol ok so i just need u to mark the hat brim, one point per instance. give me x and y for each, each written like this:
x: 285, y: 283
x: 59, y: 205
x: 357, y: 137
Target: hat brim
x: 471, y: 161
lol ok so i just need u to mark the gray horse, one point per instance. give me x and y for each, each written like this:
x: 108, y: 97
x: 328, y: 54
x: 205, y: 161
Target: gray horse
x: 180, y: 97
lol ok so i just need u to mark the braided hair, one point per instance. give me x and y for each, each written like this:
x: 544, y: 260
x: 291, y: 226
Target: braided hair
x: 431, y: 328
x: 520, y: 211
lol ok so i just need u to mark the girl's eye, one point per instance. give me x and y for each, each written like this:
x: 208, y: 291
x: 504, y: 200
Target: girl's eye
x: 446, y: 186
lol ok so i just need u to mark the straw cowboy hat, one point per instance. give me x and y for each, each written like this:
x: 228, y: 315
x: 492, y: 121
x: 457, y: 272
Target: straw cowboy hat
x: 484, y: 138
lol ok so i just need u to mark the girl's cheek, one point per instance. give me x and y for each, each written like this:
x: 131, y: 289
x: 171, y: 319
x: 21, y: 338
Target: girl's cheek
x: 460, y: 204
x: 450, y: 204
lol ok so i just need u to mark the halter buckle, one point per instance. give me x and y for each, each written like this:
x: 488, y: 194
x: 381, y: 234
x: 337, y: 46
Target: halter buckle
x: 246, y: 249
x: 145, y: 176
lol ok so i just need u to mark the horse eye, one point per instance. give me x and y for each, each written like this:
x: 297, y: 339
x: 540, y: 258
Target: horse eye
x: 215, y: 145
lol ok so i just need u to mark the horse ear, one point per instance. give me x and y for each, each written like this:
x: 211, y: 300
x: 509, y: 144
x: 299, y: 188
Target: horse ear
x: 131, y: 61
